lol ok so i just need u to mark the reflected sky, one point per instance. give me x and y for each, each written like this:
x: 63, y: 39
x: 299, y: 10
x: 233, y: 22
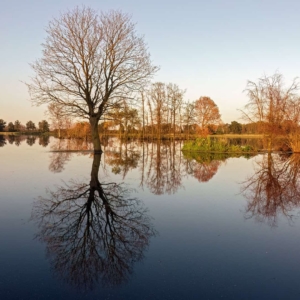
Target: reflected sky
x: 225, y: 227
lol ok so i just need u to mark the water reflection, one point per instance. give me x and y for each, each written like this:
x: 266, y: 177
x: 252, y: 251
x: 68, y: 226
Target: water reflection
x: 93, y: 231
x: 204, y: 166
x: 30, y: 140
x: 58, y: 161
x: 44, y: 140
x: 162, y: 165
x: 164, y: 171
x: 274, y: 189
x: 122, y: 160
x: 17, y: 140
x: 62, y: 151
x: 271, y: 191
x: 72, y: 145
x: 2, y: 141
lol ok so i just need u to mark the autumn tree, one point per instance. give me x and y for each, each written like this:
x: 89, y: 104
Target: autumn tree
x: 2, y: 125
x: 207, y: 113
x: 44, y: 126
x: 90, y: 61
x: 189, y: 116
x: 124, y: 116
x: 30, y: 125
x: 57, y: 116
x: 17, y: 125
x: 235, y: 127
x: 80, y: 130
x: 10, y: 127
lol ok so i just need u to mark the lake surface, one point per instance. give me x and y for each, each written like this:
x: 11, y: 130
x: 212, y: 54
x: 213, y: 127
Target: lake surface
x: 146, y: 221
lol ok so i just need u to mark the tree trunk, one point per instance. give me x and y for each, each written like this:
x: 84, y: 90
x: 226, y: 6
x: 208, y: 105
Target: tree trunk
x: 95, y: 134
x: 94, y: 183
x: 174, y: 121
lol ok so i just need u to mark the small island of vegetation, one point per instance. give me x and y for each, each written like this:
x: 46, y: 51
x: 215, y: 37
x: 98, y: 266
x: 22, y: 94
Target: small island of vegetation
x: 214, y: 145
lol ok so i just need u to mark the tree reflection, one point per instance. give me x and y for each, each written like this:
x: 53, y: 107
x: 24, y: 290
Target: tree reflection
x: 58, y: 161
x: 164, y: 174
x: 274, y: 189
x: 93, y: 231
x: 122, y: 160
x: 162, y: 165
x: 63, y: 149
x: 204, y: 166
x: 15, y: 139
x: 44, y: 140
x: 30, y: 140
x: 2, y: 141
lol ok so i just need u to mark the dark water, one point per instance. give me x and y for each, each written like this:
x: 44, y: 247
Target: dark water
x: 145, y: 221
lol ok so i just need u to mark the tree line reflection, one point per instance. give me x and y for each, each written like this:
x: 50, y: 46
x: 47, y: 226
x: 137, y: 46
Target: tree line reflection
x: 17, y: 140
x: 274, y: 188
x: 161, y: 165
x: 271, y: 191
x: 94, y: 231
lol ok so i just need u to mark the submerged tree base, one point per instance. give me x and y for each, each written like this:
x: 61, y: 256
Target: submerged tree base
x: 216, y: 146
x: 98, y: 151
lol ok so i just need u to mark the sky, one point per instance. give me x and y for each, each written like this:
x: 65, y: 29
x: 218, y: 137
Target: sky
x: 208, y: 48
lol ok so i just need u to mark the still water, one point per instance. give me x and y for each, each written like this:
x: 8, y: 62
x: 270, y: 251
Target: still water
x: 146, y: 221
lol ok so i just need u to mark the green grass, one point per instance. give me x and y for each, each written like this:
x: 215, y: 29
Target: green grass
x: 215, y: 146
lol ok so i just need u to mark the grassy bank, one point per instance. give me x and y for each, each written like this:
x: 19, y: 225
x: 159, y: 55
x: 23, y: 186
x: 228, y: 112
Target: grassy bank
x: 215, y: 146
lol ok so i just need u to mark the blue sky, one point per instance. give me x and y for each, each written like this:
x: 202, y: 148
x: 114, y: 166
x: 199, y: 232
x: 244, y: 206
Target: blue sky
x: 210, y: 48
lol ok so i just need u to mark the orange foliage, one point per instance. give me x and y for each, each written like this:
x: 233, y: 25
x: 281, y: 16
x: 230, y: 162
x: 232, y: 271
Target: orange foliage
x: 207, y: 113
x: 80, y: 130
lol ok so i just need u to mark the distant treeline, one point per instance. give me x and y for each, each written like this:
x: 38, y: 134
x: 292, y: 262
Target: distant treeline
x: 160, y: 112
x: 166, y: 131
x: 43, y: 126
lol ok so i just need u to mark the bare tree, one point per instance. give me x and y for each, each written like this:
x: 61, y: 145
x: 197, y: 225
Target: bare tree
x: 271, y: 104
x: 57, y: 116
x: 189, y: 116
x: 158, y: 97
x: 89, y: 62
x: 175, y: 97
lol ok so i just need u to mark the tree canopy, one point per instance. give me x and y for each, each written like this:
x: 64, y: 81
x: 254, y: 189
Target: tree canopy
x: 90, y: 62
x: 2, y: 125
